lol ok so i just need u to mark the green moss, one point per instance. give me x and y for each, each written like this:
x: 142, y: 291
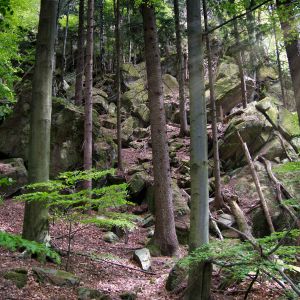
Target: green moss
x: 17, y: 276
x: 131, y: 70
x: 289, y: 123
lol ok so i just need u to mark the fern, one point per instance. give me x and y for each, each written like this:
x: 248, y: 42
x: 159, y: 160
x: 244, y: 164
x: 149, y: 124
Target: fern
x: 15, y: 242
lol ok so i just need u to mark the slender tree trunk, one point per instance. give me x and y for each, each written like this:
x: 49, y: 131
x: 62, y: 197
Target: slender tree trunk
x: 180, y: 75
x: 252, y: 37
x: 35, y: 226
x: 292, y: 45
x: 218, y: 193
x: 118, y: 81
x: 240, y: 61
x: 64, y: 61
x: 165, y: 236
x: 200, y: 276
x: 88, y: 106
x: 80, y: 56
x: 101, y: 37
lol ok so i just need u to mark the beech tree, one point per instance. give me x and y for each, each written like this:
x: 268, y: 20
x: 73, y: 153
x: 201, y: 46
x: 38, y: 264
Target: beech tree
x: 165, y: 235
x: 200, y: 275
x: 88, y: 106
x: 35, y: 226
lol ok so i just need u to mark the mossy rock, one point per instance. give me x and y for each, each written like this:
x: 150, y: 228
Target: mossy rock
x: 18, y: 276
x: 177, y: 276
x: 269, y: 107
x: 87, y: 294
x: 170, y: 84
x: 267, y: 72
x: 227, y: 69
x: 130, y: 71
x: 56, y: 277
x: 289, y: 124
x: 13, y: 168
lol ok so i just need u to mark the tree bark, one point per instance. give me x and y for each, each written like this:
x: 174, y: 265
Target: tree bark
x: 63, y: 63
x: 200, y: 276
x: 80, y: 56
x: 218, y: 193
x: 118, y: 81
x: 165, y: 235
x: 88, y: 107
x: 292, y: 45
x: 35, y: 226
x: 240, y: 62
x: 180, y: 74
x: 101, y: 37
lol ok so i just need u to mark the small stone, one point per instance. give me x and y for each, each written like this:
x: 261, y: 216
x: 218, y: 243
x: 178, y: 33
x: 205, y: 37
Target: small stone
x: 128, y: 296
x: 226, y: 219
x: 150, y: 233
x: 86, y: 294
x: 143, y: 258
x: 56, y: 277
x: 148, y: 221
x: 17, y: 276
x: 110, y: 237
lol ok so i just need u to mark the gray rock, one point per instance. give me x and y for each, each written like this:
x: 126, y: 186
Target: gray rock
x: 176, y: 277
x: 56, y: 277
x: 227, y: 219
x: 110, y: 237
x: 13, y: 168
x: 143, y: 258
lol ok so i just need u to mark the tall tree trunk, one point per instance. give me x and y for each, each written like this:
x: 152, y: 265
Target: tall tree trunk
x: 88, y: 106
x: 64, y: 61
x: 80, y: 56
x: 35, y: 226
x: 165, y: 236
x: 180, y: 75
x: 240, y: 61
x: 101, y: 36
x: 252, y: 37
x: 118, y: 81
x: 218, y: 194
x: 200, y: 276
x: 292, y: 45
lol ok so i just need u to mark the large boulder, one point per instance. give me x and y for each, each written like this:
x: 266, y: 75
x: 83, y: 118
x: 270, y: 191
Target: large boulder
x: 243, y: 186
x: 66, y: 134
x: 15, y: 170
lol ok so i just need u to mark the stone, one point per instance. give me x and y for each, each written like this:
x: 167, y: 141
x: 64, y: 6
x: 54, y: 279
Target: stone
x: 177, y: 276
x: 289, y: 124
x: 110, y: 237
x: 128, y: 296
x: 105, y: 151
x: 87, y: 294
x: 18, y: 276
x: 143, y: 258
x: 227, y: 219
x: 227, y: 69
x: 137, y: 184
x: 230, y: 234
x: 255, y: 130
x: 148, y: 221
x: 13, y: 168
x: 170, y: 85
x: 267, y: 73
x: 56, y: 277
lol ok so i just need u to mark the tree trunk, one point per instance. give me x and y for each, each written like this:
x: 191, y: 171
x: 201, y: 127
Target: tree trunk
x: 180, y: 75
x: 101, y: 37
x: 35, y: 226
x: 218, y: 194
x: 240, y: 61
x: 118, y: 81
x: 200, y: 276
x: 88, y: 106
x: 165, y: 236
x: 292, y: 45
x: 64, y: 62
x: 80, y: 56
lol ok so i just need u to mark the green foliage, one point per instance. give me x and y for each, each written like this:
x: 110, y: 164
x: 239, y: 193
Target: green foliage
x: 241, y: 258
x: 14, y: 242
x: 65, y: 200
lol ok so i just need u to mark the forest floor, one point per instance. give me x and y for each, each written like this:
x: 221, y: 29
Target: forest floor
x: 115, y: 273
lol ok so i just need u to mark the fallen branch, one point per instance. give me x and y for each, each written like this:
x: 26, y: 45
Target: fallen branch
x: 280, y: 189
x: 257, y: 184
